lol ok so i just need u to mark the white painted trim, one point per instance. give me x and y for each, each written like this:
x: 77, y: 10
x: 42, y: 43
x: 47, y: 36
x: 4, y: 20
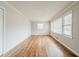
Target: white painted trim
x: 16, y: 10
x: 4, y: 30
x: 65, y: 14
x: 4, y: 27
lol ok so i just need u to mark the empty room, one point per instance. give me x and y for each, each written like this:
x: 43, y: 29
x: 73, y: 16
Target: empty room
x: 39, y: 28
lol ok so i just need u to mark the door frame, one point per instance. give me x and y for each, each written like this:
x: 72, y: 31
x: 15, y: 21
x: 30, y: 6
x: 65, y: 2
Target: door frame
x: 4, y: 30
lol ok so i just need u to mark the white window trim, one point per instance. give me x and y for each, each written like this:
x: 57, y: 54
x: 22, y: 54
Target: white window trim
x: 68, y: 24
x: 69, y: 36
x: 4, y: 28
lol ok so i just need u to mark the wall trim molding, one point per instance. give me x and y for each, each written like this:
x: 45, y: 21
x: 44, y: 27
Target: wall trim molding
x: 65, y: 9
x: 3, y: 28
x: 15, y: 9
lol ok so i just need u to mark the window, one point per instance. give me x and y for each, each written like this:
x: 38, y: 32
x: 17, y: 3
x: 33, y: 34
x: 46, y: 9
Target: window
x: 63, y: 25
x: 67, y: 24
x: 52, y: 26
x: 58, y: 26
x: 39, y: 26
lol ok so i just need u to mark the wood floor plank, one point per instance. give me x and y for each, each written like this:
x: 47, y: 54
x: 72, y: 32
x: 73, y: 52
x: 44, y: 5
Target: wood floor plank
x: 43, y: 46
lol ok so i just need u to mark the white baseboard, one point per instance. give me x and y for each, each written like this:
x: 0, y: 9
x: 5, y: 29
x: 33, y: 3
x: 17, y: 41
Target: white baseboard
x: 66, y: 46
x: 14, y: 50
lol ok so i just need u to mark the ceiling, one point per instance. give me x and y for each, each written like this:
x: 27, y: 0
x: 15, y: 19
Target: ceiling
x: 39, y: 10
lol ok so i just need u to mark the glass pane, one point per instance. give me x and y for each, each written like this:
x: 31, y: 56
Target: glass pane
x: 67, y: 30
x: 58, y: 26
x: 52, y: 27
x: 68, y: 19
x: 40, y: 26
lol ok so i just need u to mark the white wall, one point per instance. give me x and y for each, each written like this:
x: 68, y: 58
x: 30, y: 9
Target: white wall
x: 18, y: 27
x: 36, y: 31
x: 73, y: 43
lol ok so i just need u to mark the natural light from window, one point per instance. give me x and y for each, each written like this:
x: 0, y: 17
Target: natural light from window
x: 67, y: 25
x: 40, y: 26
x: 58, y: 26
x: 63, y: 25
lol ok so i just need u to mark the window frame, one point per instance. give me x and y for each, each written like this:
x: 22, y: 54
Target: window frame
x: 38, y: 26
x: 70, y: 36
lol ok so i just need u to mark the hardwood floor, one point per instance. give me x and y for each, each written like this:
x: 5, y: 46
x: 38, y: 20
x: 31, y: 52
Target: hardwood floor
x: 43, y: 46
